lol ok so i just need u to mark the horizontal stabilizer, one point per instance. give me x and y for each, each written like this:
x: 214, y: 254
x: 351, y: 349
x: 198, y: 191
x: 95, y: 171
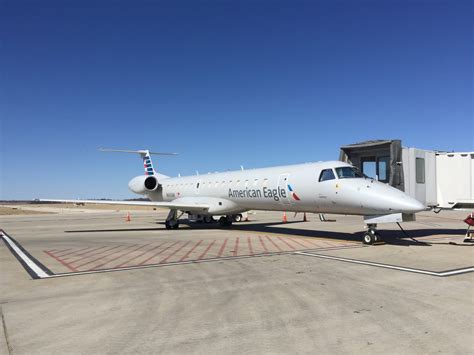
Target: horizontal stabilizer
x: 141, y: 151
x: 145, y: 155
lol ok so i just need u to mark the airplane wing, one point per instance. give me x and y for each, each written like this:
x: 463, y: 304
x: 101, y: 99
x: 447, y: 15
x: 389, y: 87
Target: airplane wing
x: 171, y: 205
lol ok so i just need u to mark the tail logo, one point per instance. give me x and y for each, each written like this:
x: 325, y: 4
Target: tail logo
x: 294, y: 195
x: 148, y: 166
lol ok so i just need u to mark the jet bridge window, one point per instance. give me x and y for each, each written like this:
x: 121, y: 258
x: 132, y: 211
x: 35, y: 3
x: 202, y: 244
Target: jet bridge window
x: 420, y: 170
x: 326, y: 174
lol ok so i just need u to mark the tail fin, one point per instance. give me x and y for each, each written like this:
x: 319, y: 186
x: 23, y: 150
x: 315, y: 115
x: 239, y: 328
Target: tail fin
x: 145, y: 155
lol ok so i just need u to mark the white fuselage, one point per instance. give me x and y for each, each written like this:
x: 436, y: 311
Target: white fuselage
x: 286, y: 188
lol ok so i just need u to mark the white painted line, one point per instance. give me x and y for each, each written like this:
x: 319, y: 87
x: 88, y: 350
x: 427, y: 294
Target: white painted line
x: 393, y: 267
x: 31, y: 264
x: 456, y: 272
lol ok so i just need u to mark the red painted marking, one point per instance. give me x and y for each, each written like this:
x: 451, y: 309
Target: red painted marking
x: 298, y: 242
x: 236, y: 247
x: 119, y: 256
x: 136, y: 257
x: 263, y: 244
x: 189, y: 252
x: 312, y: 243
x: 103, y: 256
x: 95, y: 252
x: 207, y: 249
x: 158, y: 253
x: 86, y: 252
x: 76, y: 251
x: 250, y: 245
x: 284, y: 241
x: 61, y: 261
x: 173, y: 253
x: 271, y: 241
x: 221, y: 250
x: 61, y: 251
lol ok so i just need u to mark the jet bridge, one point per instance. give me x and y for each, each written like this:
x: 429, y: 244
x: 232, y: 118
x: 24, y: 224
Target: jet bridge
x: 437, y: 179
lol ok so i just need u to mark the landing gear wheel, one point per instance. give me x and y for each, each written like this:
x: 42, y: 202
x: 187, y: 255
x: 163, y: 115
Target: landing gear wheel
x: 172, y: 224
x: 369, y: 238
x: 172, y: 221
x: 225, y: 221
x: 237, y: 217
x: 208, y: 219
x: 377, y: 237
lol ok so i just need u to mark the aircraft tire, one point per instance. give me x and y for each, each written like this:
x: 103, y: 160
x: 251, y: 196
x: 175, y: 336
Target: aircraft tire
x: 167, y: 225
x: 208, y: 219
x: 237, y: 217
x: 368, y: 238
x: 176, y: 225
x: 378, y: 237
x: 225, y: 221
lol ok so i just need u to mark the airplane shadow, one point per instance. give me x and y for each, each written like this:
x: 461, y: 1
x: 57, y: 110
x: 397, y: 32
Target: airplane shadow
x: 393, y: 237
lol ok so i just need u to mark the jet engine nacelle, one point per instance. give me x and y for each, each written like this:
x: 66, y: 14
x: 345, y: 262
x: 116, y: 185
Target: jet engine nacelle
x: 143, y: 184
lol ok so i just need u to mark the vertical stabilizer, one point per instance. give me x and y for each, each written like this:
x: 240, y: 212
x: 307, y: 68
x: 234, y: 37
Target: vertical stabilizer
x: 147, y: 163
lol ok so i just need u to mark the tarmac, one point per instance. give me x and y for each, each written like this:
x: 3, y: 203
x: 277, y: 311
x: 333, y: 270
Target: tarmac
x: 96, y: 283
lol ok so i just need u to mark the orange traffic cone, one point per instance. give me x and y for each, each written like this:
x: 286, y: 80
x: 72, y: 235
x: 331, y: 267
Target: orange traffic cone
x: 128, y: 219
x: 284, y: 217
x: 304, y: 217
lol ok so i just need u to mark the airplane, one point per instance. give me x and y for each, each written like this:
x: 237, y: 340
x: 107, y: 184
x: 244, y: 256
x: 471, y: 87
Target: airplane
x: 324, y: 187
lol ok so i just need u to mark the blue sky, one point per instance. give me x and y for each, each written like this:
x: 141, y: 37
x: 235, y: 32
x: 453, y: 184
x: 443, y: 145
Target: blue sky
x: 224, y: 83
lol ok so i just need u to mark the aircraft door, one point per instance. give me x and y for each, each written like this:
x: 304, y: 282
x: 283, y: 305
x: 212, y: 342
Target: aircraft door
x: 283, y: 186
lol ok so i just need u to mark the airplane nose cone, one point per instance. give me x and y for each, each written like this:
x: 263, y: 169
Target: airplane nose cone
x: 388, y: 199
x: 411, y: 206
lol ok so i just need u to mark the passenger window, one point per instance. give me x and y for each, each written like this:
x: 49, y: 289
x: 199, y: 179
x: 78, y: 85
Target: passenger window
x: 326, y: 174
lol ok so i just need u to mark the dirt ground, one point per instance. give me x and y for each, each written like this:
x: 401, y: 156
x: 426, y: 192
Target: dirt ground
x: 8, y: 211
x: 22, y: 209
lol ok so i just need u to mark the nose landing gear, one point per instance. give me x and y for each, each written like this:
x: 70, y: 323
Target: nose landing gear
x: 371, y: 236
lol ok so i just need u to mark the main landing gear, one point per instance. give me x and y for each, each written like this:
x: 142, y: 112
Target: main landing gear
x: 371, y: 236
x: 226, y: 221
x: 172, y: 221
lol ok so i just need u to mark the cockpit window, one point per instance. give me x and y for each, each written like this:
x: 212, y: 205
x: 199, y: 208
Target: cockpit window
x: 348, y: 172
x: 326, y: 174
